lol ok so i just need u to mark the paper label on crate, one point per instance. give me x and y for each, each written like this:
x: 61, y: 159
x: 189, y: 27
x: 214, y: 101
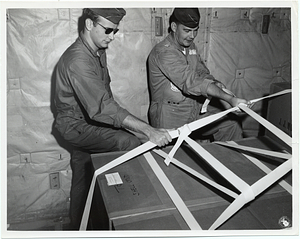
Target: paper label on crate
x: 113, y: 179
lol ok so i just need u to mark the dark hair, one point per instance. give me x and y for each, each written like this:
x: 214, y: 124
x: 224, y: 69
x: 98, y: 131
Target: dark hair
x: 88, y: 13
x: 172, y: 19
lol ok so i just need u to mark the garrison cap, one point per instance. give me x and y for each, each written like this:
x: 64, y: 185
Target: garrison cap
x: 114, y: 15
x: 189, y: 17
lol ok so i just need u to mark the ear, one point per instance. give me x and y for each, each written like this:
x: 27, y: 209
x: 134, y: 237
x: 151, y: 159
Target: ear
x: 173, y: 26
x: 89, y: 24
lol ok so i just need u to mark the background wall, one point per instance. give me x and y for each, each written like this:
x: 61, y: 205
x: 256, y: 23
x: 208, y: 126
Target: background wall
x: 247, y: 60
x: 230, y: 39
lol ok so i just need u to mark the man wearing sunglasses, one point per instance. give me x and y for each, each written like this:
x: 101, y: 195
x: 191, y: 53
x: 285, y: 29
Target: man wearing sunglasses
x: 86, y: 114
x: 179, y: 80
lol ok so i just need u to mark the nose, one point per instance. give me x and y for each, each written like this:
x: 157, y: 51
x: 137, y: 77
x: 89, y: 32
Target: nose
x: 193, y: 34
x: 111, y: 35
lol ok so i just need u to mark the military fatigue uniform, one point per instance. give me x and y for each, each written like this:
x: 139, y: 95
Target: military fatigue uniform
x: 178, y: 82
x: 87, y: 115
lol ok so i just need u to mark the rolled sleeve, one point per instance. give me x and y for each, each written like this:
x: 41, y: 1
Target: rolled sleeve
x: 206, y: 83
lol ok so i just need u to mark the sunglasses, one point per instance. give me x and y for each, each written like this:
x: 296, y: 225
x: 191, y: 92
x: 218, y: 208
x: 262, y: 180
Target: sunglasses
x: 109, y: 30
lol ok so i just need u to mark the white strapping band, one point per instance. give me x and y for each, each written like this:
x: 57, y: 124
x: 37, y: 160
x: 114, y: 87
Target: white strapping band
x: 257, y: 188
x: 265, y: 169
x: 125, y: 157
x: 236, y: 181
x: 255, y: 150
x: 273, y: 95
x: 184, y: 131
x: 241, y: 185
x: 276, y: 131
x: 179, y: 203
x: 196, y: 174
x: 188, y: 128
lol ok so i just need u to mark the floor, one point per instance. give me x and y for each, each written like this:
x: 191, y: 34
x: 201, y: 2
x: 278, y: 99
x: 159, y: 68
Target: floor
x: 55, y: 224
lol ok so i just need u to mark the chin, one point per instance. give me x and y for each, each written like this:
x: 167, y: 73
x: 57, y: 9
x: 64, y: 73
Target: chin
x: 103, y: 47
x: 187, y: 45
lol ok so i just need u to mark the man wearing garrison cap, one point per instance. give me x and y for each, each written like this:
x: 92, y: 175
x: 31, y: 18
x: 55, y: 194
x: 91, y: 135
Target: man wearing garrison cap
x: 179, y: 82
x: 87, y: 116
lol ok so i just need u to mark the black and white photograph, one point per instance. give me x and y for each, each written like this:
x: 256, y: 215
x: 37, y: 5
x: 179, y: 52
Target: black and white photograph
x: 149, y: 119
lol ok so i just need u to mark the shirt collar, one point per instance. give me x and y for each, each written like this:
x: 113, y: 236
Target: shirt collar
x: 96, y: 53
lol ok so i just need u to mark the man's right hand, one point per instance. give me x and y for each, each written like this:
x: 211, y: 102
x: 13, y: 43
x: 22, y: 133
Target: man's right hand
x: 160, y: 137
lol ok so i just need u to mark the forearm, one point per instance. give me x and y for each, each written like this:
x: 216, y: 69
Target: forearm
x: 159, y: 137
x: 136, y: 125
x: 217, y: 92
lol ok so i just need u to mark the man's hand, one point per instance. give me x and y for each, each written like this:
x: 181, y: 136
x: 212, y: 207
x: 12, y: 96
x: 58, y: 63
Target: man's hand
x: 236, y: 101
x: 227, y: 98
x: 160, y: 137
